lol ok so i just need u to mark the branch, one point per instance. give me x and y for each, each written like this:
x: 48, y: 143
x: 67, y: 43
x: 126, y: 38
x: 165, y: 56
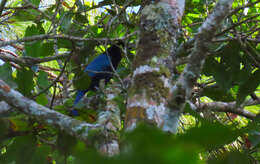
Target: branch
x: 57, y: 79
x: 205, y: 35
x: 183, y: 88
x: 6, y: 55
x: 2, y: 5
x: 237, y: 24
x: 73, y: 127
x: 68, y: 37
x: 26, y: 60
x: 256, y: 40
x: 4, y: 107
x: 243, y: 7
x: 151, y: 87
x: 34, y: 60
x: 37, y: 9
x: 110, y: 118
x: 20, y: 48
x: 226, y: 107
x: 182, y: 49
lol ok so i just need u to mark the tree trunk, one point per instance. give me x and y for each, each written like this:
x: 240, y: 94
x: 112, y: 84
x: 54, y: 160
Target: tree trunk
x: 154, y: 66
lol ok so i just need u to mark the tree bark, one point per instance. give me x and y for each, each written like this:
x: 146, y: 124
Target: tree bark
x: 73, y: 127
x: 154, y: 97
x: 153, y: 66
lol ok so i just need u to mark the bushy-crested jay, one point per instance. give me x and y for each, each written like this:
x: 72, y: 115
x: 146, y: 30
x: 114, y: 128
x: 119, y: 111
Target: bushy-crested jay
x: 100, y: 68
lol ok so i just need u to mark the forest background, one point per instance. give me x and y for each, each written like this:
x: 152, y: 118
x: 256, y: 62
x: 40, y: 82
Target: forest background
x: 186, y: 90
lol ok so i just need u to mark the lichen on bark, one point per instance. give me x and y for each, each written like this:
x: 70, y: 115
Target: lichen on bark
x: 153, y: 66
x: 152, y: 84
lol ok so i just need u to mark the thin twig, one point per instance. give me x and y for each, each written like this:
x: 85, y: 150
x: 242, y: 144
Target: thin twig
x: 56, y: 80
x: 38, y: 10
x: 2, y: 5
x: 68, y: 37
x: 237, y: 24
x: 243, y: 7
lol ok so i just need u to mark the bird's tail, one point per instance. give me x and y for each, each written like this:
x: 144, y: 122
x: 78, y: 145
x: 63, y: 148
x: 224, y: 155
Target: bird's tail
x: 79, y: 96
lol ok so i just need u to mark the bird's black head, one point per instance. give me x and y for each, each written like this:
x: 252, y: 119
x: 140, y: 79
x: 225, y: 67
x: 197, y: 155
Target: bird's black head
x: 115, y: 53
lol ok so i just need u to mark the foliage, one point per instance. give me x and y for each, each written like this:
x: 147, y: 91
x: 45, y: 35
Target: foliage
x: 230, y: 74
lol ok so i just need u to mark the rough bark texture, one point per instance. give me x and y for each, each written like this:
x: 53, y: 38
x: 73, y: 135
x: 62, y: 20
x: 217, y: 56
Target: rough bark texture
x: 110, y: 118
x: 182, y: 91
x: 74, y: 127
x: 153, y: 66
x: 154, y: 98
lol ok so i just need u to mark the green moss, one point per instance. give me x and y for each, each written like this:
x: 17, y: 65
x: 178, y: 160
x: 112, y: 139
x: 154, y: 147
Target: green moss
x: 148, y: 48
x: 158, y: 16
x: 152, y: 84
x: 165, y: 71
x: 151, y: 50
x: 135, y: 113
x: 99, y: 135
x: 82, y: 130
x: 96, y: 135
x: 156, y: 40
x: 115, y: 120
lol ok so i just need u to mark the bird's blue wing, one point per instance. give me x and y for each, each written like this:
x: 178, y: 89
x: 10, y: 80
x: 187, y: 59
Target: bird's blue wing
x: 99, y: 64
x: 96, y: 71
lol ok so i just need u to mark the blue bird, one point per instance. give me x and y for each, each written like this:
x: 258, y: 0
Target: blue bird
x: 100, y: 68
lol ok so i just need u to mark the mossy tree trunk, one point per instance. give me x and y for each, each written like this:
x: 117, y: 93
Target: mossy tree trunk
x: 153, y: 66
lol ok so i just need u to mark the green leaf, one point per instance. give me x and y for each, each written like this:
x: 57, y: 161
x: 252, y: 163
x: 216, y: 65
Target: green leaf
x: 42, y: 80
x: 80, y: 6
x: 4, y: 124
x: 254, y: 138
x: 25, y: 15
x: 243, y: 75
x: 65, y: 143
x: 25, y: 82
x: 66, y: 22
x: 60, y: 107
x: 217, y: 94
x: 19, y: 123
x: 118, y: 31
x: 210, y: 135
x: 42, y: 99
x: 20, y: 150
x: 228, y: 66
x: 87, y: 50
x: 151, y: 145
x: 94, y: 157
x: 33, y: 48
x: 248, y: 87
x: 47, y: 49
x: 81, y: 18
x: 220, y: 74
x: 81, y: 81
x: 230, y: 157
x: 6, y: 75
x: 68, y: 102
x: 35, y: 2
x: 41, y: 155
x: 64, y: 43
